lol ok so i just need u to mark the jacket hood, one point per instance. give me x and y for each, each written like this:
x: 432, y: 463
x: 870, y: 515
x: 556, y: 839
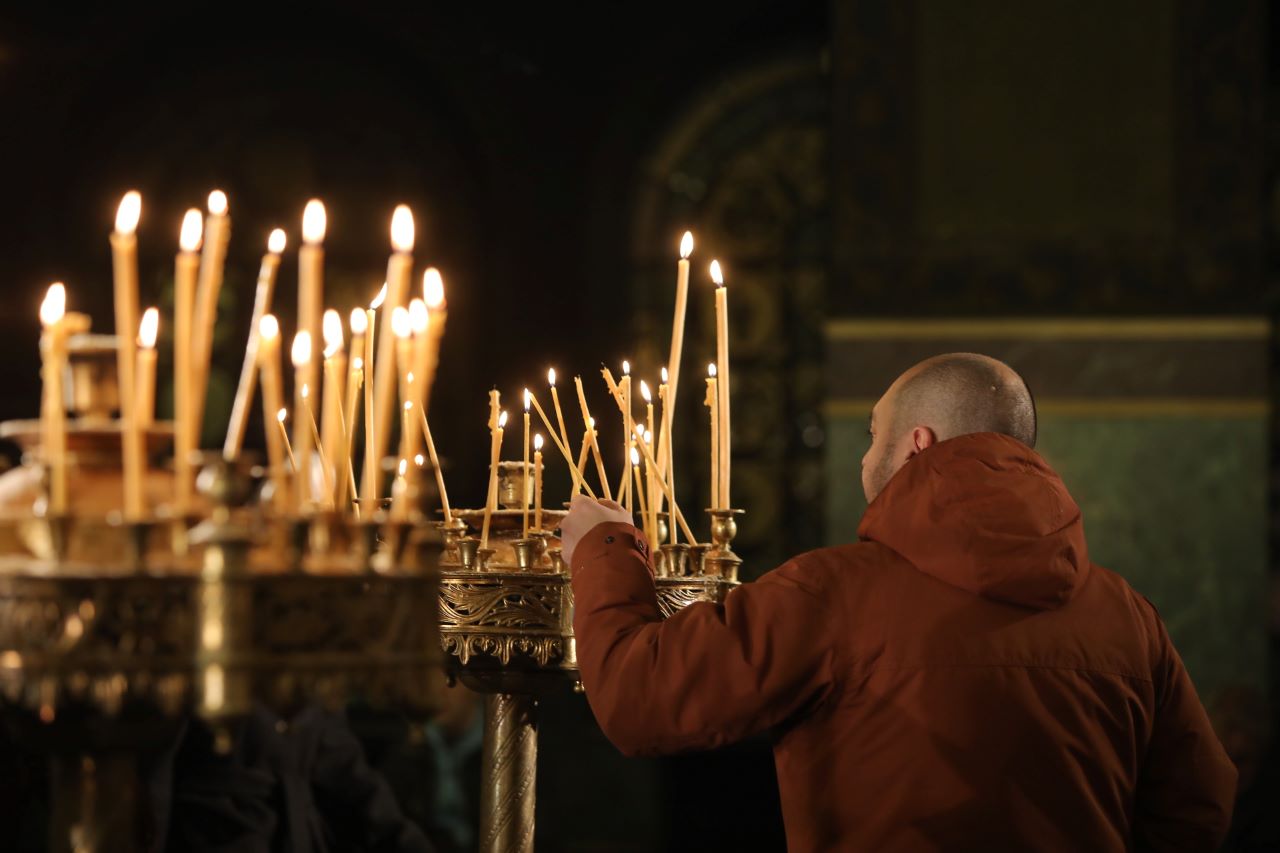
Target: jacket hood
x: 984, y: 513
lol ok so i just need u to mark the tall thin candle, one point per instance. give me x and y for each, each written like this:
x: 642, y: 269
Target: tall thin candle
x: 435, y: 464
x: 524, y: 473
x: 491, y: 503
x: 537, y: 481
x: 124, y: 256
x: 713, y: 403
x: 369, y: 483
x: 262, y: 299
x: 722, y: 368
x: 272, y: 404
x: 311, y: 286
x: 148, y: 330
x: 217, y: 233
x: 302, y: 441
x: 399, y: 268
x: 332, y: 428
x: 185, y: 267
x: 590, y: 424
x: 53, y: 411
x: 433, y: 296
x: 665, y: 462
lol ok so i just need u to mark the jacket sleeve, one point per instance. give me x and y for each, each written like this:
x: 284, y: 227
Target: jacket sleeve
x: 710, y: 675
x: 1187, y: 784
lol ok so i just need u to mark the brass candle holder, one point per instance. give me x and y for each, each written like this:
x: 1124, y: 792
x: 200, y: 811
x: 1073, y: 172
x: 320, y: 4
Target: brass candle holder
x: 719, y: 560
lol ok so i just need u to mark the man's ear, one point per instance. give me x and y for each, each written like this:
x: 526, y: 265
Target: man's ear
x: 922, y: 438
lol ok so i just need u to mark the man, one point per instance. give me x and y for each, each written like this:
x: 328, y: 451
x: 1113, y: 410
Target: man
x: 962, y: 678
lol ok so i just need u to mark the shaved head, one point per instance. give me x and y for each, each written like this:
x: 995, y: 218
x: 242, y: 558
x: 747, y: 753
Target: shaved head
x: 945, y: 397
x: 962, y: 393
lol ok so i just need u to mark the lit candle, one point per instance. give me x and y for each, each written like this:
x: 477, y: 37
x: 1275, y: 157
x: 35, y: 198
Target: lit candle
x: 332, y: 426
x: 53, y: 411
x: 665, y: 462
x: 217, y: 232
x: 148, y: 330
x: 584, y: 451
x: 627, y: 427
x: 537, y: 481
x: 713, y: 403
x: 675, y: 509
x: 651, y: 524
x: 722, y: 369
x: 185, y: 266
x: 491, y: 504
x: 399, y: 268
x: 300, y: 355
x: 311, y: 284
x: 435, y: 464
x: 369, y: 483
x: 564, y: 433
x: 419, y: 324
x: 667, y: 471
x: 249, y: 370
x: 590, y: 424
x: 272, y: 404
x: 524, y: 496
x: 124, y: 257
x: 433, y: 296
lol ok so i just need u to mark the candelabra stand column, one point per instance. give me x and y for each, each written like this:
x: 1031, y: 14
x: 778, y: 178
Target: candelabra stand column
x: 509, y: 767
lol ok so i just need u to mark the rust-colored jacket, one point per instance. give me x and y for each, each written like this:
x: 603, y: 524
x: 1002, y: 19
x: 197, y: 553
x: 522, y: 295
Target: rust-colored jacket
x: 963, y: 678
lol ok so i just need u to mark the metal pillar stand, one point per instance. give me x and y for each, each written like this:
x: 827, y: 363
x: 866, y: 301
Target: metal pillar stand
x: 508, y: 772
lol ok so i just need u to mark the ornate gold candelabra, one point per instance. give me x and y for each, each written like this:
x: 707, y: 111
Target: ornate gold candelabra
x: 506, y: 621
x: 109, y: 638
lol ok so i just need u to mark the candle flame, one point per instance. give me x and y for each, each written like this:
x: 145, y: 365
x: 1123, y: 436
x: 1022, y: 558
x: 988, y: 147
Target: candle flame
x: 537, y: 441
x: 281, y: 415
x: 149, y: 328
x: 305, y: 391
x: 408, y: 405
x: 635, y: 457
x: 218, y: 203
x: 268, y: 326
x: 502, y: 419
x: 128, y: 213
x: 419, y: 460
x: 332, y: 333
x: 314, y: 221
x: 54, y: 306
x: 665, y: 376
x: 408, y: 377
x: 192, y: 228
x: 686, y: 244
x: 380, y: 298
x: 528, y: 398
x: 276, y: 241
x: 644, y: 391
x: 711, y: 369
x: 626, y: 368
x: 639, y: 431
x: 359, y: 322
x: 717, y: 275
x: 400, y: 324
x: 301, y: 352
x: 402, y: 229
x: 418, y: 316
x: 433, y: 288
x: 551, y: 376
x: 357, y: 363
x: 404, y: 466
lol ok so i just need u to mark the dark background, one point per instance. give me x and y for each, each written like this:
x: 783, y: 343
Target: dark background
x: 552, y: 157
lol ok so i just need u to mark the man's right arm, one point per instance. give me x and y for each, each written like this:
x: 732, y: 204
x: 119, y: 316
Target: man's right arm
x: 1187, y: 784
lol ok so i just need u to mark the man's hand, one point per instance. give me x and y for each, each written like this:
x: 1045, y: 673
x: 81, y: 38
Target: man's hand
x: 584, y: 514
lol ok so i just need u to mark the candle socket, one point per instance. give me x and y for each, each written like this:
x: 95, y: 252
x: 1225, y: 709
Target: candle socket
x: 720, y: 561
x: 483, y: 556
x: 468, y: 551
x: 328, y: 532
x: 697, y: 559
x: 452, y: 530
x: 137, y: 539
x: 366, y: 543
x: 57, y: 534
x: 558, y: 565
x: 399, y: 556
x: 526, y: 551
x: 673, y: 559
x: 296, y: 532
x: 542, y: 542
x: 663, y: 533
